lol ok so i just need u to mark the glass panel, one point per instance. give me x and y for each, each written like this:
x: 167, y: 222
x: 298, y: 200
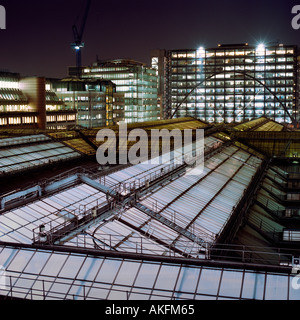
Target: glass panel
x: 161, y: 295
x: 37, y: 262
x: 9, y: 223
x: 16, y: 218
x: 231, y: 283
x: 60, y: 288
x: 253, y: 285
x: 187, y: 281
x: 24, y: 284
x: 276, y: 287
x: 79, y: 289
x: 167, y: 277
x: 184, y: 296
x: 6, y: 255
x: 147, y: 275
x: 54, y: 264
x: 139, y: 294
x: 99, y: 292
x: 20, y: 260
x: 41, y: 286
x: 108, y: 270
x: 204, y: 297
x: 209, y: 281
x: 90, y: 269
x: 127, y: 273
x: 118, y: 293
x: 18, y: 237
x: 71, y: 267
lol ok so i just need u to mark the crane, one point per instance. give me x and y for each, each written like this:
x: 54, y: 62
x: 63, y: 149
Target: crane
x: 78, y: 44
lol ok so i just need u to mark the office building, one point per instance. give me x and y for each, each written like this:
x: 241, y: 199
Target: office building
x: 96, y: 101
x: 158, y: 61
x: 29, y: 103
x: 231, y: 83
x: 138, y: 83
x: 44, y: 103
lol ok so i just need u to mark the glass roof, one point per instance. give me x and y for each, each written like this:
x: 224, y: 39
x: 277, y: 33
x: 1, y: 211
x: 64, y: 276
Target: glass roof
x: 84, y: 266
x: 199, y: 203
x: 23, y: 139
x: 17, y: 225
x: 44, y: 274
x: 24, y: 157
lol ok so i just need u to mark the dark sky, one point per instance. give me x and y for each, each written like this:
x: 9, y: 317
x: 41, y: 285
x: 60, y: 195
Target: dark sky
x: 39, y: 32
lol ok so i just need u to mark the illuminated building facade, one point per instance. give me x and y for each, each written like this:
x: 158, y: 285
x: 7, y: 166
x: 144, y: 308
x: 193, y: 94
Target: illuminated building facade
x: 14, y: 108
x: 36, y: 102
x: 231, y: 83
x: 135, y: 80
x: 158, y: 60
x: 29, y: 103
x: 95, y: 101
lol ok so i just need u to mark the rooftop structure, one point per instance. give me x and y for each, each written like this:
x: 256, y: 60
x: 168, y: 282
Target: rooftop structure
x: 163, y: 230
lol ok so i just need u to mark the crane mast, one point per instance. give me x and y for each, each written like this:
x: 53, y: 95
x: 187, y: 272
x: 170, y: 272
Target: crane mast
x: 77, y: 45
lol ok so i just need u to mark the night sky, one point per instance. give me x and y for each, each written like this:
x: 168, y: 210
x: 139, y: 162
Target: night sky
x: 39, y: 33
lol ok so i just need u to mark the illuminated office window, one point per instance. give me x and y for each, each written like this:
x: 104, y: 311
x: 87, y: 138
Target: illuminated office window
x: 273, y: 67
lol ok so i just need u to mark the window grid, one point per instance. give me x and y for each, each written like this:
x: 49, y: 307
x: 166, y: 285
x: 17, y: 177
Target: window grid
x: 37, y: 280
x: 184, y: 71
